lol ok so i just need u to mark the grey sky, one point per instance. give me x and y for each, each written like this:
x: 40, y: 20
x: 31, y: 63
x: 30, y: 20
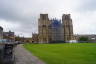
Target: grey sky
x: 21, y: 16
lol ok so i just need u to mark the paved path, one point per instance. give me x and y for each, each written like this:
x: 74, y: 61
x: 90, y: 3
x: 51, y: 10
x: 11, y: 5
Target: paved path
x: 24, y: 57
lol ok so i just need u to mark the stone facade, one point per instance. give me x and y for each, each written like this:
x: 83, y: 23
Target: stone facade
x: 55, y: 30
x: 34, y: 38
x: 1, y: 32
x: 10, y: 36
x: 67, y: 27
x: 43, y: 26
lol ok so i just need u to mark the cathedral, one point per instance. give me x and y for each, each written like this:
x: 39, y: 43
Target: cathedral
x: 54, y: 30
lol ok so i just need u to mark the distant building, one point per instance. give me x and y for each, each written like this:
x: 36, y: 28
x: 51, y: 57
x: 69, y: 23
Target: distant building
x: 1, y: 32
x: 28, y: 40
x: 10, y: 36
x: 55, y: 30
x: 34, y: 38
x: 91, y: 37
x: 20, y: 39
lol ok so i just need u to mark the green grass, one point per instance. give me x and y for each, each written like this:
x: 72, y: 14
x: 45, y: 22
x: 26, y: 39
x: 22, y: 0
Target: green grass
x: 79, y: 53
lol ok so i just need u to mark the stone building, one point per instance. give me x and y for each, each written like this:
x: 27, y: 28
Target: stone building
x: 34, y: 38
x: 10, y: 36
x: 91, y: 37
x: 55, y: 30
x: 1, y: 32
x: 43, y: 26
x: 27, y: 40
x: 68, y: 27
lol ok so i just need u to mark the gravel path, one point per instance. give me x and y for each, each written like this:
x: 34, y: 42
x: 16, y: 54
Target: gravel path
x: 24, y: 57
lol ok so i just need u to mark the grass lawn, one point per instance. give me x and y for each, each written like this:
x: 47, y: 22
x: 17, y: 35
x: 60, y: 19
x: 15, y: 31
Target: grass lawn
x: 77, y: 53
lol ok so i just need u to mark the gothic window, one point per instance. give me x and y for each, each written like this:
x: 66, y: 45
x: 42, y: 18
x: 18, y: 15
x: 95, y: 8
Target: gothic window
x: 43, y: 25
x: 44, y: 39
x: 43, y: 17
x: 49, y: 26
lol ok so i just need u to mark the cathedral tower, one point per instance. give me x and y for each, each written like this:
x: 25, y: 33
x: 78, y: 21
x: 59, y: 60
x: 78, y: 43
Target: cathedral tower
x: 67, y: 27
x: 43, y: 24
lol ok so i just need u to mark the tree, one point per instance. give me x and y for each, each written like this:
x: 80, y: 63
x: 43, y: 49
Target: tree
x: 83, y: 38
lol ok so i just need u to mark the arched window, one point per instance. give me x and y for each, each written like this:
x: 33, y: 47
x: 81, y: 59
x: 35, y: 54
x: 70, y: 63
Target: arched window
x: 43, y: 25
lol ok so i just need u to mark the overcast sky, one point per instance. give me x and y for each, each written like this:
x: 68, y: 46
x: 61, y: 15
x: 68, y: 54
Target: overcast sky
x: 21, y: 16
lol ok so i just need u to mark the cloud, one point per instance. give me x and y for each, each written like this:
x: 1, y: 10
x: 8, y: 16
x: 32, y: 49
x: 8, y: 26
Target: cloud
x: 17, y: 12
x: 84, y: 23
x: 26, y: 12
x: 22, y: 16
x: 86, y: 5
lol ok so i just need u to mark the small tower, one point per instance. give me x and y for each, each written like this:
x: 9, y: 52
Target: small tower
x: 68, y: 27
x: 43, y: 24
